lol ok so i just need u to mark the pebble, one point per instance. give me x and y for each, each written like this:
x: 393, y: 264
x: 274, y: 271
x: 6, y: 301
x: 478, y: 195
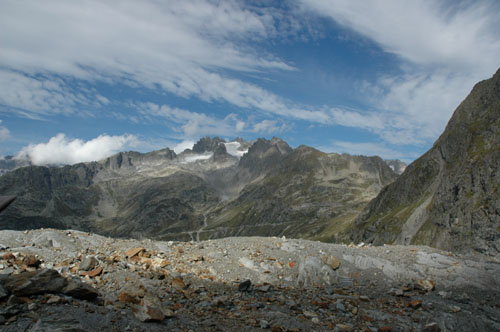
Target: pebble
x: 264, y: 324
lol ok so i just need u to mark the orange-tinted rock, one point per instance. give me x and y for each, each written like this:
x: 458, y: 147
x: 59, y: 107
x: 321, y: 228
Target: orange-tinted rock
x: 384, y: 329
x: 134, y: 251
x: 93, y: 273
x: 415, y: 304
x: 128, y: 298
x: 426, y: 284
x: 178, y: 283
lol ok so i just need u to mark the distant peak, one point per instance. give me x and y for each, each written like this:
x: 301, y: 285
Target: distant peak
x: 207, y: 144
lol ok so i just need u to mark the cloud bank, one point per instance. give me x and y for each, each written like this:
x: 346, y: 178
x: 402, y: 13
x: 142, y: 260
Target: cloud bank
x: 444, y: 48
x: 60, y: 150
x: 183, y: 47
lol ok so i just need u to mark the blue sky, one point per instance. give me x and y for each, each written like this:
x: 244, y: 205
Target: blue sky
x: 80, y: 80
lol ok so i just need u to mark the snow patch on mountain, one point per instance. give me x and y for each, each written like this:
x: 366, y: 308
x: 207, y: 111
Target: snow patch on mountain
x: 233, y: 149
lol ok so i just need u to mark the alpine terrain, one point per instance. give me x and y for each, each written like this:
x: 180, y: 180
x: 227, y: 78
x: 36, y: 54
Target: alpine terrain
x: 217, y: 189
x: 450, y: 197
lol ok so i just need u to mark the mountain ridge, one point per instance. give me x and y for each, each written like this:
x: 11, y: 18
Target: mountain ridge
x: 192, y: 194
x: 449, y: 197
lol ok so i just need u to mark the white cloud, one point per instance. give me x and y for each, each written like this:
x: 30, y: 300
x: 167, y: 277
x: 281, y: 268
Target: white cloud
x: 34, y: 97
x: 59, y: 150
x: 366, y: 149
x: 268, y: 127
x: 444, y: 48
x: 356, y: 119
x: 4, y: 133
x: 425, y: 32
x: 183, y: 47
x: 191, y: 124
x: 183, y: 146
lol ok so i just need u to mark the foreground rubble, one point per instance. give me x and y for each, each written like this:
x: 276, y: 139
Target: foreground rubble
x: 53, y: 280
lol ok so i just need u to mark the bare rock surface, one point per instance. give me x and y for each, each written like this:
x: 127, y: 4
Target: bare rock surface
x: 239, y: 284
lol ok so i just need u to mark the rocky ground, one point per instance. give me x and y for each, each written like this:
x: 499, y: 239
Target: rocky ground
x: 53, y: 280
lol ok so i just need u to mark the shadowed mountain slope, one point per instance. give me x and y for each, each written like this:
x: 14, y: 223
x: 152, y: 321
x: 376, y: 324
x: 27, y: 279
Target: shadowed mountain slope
x: 449, y: 198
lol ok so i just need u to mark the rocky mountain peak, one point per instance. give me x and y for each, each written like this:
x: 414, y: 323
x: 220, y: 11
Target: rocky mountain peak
x: 448, y: 198
x: 207, y: 144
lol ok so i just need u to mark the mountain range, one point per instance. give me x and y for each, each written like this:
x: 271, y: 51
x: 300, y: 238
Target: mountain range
x: 216, y: 189
x: 448, y: 198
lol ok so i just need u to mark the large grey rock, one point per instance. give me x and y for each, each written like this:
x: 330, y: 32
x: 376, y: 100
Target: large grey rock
x: 36, y: 282
x: 80, y: 290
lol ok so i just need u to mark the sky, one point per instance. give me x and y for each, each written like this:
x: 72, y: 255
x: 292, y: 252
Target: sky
x: 81, y: 80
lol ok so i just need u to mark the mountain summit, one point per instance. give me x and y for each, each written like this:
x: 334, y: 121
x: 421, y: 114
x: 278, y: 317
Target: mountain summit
x: 217, y: 189
x: 449, y: 198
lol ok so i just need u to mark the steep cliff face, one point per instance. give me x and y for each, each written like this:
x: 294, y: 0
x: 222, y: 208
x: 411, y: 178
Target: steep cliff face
x: 449, y: 198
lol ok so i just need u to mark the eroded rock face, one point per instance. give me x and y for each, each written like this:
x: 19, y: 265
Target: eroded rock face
x: 449, y: 198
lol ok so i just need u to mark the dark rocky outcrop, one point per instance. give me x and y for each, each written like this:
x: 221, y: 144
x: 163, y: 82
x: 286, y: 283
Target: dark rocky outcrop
x: 207, y: 144
x: 450, y: 197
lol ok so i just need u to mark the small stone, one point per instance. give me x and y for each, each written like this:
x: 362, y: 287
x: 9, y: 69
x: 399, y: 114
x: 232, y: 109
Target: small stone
x: 315, y: 320
x: 455, y: 308
x: 134, y: 251
x: 364, y: 298
x: 331, y: 261
x: 426, y: 284
x: 309, y: 314
x: 33, y: 306
x: 92, y: 273
x: 148, y: 313
x: 31, y: 260
x: 384, y: 329
x: 343, y: 328
x: 264, y: 288
x: 222, y: 301
x: 340, y: 307
x: 54, y: 299
x: 178, y: 283
x: 9, y: 256
x: 245, y: 286
x: 128, y: 298
x: 415, y: 304
x: 264, y: 324
x: 89, y: 263
x: 431, y: 327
